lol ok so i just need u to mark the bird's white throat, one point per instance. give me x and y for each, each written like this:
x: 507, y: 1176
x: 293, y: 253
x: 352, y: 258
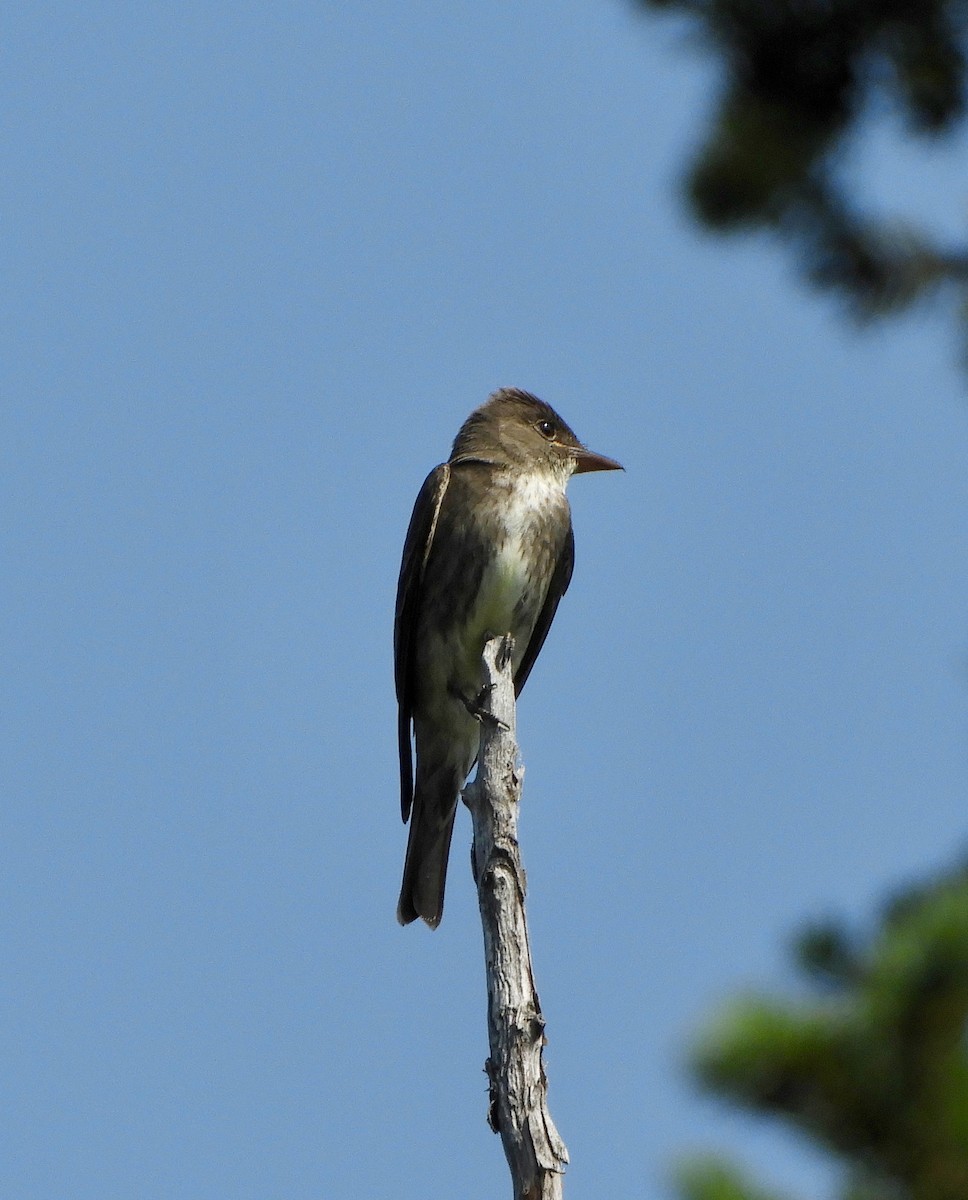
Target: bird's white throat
x: 531, y: 496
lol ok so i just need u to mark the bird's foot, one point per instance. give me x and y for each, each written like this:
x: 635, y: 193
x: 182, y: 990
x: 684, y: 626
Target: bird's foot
x: 476, y: 707
x: 505, y: 651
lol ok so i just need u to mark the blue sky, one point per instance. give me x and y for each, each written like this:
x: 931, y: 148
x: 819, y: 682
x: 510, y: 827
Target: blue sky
x: 260, y: 262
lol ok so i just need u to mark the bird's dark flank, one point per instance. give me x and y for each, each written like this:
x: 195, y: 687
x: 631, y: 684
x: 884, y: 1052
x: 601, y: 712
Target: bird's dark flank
x: 489, y: 551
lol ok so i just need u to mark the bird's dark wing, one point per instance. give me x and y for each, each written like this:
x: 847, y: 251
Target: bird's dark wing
x: 556, y: 589
x: 416, y: 548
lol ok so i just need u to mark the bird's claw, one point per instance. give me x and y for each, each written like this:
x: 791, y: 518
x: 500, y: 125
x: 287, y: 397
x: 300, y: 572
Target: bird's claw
x: 505, y: 651
x: 475, y: 705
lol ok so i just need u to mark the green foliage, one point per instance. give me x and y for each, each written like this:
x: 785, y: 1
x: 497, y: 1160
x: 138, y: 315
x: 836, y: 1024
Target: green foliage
x: 709, y: 1179
x: 873, y: 1065
x: 797, y: 77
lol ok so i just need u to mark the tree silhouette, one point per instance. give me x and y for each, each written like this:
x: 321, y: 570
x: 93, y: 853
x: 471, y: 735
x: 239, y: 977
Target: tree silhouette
x: 872, y: 1066
x: 798, y: 75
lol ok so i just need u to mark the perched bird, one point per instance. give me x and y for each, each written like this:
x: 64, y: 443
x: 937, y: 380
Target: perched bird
x: 489, y: 551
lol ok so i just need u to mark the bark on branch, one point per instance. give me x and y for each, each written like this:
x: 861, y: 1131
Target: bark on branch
x: 518, y: 1086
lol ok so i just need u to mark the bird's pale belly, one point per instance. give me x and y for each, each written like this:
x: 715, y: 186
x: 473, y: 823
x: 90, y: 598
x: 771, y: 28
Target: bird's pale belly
x: 507, y: 602
x: 448, y: 674
x: 519, y: 551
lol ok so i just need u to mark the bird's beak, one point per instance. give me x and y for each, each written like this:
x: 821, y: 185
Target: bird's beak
x: 588, y: 460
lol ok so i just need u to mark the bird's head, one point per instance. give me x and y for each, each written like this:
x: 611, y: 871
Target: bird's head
x: 515, y: 429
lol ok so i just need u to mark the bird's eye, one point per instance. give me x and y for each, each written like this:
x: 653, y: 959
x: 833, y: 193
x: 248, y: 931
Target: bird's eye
x: 546, y: 429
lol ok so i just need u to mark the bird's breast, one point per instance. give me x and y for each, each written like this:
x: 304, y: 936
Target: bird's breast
x: 525, y: 543
x: 505, y: 583
x: 489, y: 574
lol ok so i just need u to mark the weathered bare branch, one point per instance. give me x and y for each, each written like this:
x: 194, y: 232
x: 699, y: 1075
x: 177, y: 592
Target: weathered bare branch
x: 518, y: 1086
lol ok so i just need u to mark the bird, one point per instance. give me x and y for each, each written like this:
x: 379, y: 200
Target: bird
x: 489, y: 551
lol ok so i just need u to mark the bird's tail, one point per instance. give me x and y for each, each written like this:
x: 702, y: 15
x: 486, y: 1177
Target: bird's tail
x: 428, y: 848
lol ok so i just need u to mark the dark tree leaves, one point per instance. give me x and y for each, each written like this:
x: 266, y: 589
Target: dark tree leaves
x: 873, y: 1069
x: 797, y: 77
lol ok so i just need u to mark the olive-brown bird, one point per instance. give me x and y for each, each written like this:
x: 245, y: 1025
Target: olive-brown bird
x: 489, y: 551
